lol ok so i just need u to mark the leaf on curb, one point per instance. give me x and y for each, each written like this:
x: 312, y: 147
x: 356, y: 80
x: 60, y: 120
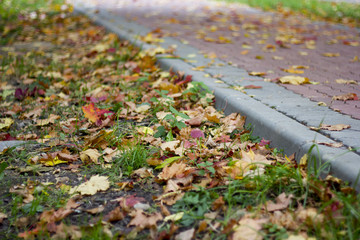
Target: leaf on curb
x: 332, y: 144
x: 336, y: 127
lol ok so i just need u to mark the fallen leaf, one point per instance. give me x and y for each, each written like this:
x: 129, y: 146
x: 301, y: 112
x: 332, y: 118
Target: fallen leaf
x: 96, y: 210
x: 3, y: 216
x: 197, y: 133
x: 252, y: 87
x: 257, y: 73
x: 336, y: 127
x: 343, y: 81
x: 169, y: 172
x: 170, y: 146
x: 50, y: 119
x: 95, y: 184
x: 5, y: 123
x: 115, y: 215
x: 90, y: 112
x: 186, y: 235
x: 90, y: 155
x: 282, y: 202
x: 144, y: 220
x: 332, y: 144
x: 249, y: 229
x: 174, y: 217
x: 331, y: 54
x: 294, y: 80
x: 346, y: 97
x: 51, y: 161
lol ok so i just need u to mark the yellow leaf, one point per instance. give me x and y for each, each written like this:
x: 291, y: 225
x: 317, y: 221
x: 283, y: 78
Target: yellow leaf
x: 294, y: 80
x: 5, y: 123
x: 343, y: 81
x: 53, y: 162
x: 174, y: 217
x: 145, y: 130
x: 331, y: 54
x: 90, y: 155
x: 292, y: 70
x: 95, y: 184
x: 50, y: 119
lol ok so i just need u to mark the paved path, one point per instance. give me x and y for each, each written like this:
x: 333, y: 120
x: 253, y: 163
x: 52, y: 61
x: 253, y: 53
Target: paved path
x: 260, y: 42
x: 202, y: 27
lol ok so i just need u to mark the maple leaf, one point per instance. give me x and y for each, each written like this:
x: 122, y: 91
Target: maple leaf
x: 282, y: 202
x: 90, y: 112
x: 5, y: 123
x: 93, y: 113
x: 249, y: 229
x: 90, y: 155
x: 144, y: 220
x: 169, y: 172
x: 115, y: 215
x: 95, y: 184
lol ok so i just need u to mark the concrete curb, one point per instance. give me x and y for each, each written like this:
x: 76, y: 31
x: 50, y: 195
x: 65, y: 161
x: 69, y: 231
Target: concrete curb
x: 8, y: 144
x: 284, y: 120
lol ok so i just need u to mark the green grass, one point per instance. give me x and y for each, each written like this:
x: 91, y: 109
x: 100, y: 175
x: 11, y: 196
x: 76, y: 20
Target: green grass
x: 11, y: 8
x: 339, y: 12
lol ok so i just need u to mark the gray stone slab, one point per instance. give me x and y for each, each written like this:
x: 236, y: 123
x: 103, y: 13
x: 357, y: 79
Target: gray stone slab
x: 7, y: 144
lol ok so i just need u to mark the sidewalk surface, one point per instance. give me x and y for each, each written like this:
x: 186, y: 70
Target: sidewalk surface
x: 232, y: 46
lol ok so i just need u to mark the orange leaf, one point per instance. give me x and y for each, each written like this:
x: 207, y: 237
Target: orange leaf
x: 90, y: 112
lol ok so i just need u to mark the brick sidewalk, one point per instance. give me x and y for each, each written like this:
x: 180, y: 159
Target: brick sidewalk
x: 259, y: 42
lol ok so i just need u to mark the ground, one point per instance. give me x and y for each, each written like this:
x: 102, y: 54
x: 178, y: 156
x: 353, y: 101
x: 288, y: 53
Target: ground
x: 120, y: 149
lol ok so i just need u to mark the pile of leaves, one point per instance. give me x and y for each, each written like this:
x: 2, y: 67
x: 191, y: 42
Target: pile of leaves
x: 117, y: 148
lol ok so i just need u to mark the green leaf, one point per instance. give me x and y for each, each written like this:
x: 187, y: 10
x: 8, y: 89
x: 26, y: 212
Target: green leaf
x: 168, y: 161
x: 169, y: 136
x: 160, y: 132
x: 177, y: 113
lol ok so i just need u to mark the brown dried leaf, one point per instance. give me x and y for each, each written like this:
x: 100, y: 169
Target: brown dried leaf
x: 185, y: 235
x: 172, y: 171
x: 90, y: 155
x: 114, y: 215
x: 336, y: 127
x: 346, y: 97
x: 96, y: 210
x: 248, y: 229
x: 282, y: 202
x: 144, y: 220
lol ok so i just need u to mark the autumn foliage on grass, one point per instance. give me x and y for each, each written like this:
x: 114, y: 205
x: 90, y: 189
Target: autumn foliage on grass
x: 122, y: 149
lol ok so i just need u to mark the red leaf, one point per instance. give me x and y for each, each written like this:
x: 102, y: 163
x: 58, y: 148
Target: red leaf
x: 94, y: 114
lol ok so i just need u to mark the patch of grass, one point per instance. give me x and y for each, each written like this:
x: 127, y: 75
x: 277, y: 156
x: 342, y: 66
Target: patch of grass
x: 194, y: 204
x: 11, y: 8
x: 339, y: 12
